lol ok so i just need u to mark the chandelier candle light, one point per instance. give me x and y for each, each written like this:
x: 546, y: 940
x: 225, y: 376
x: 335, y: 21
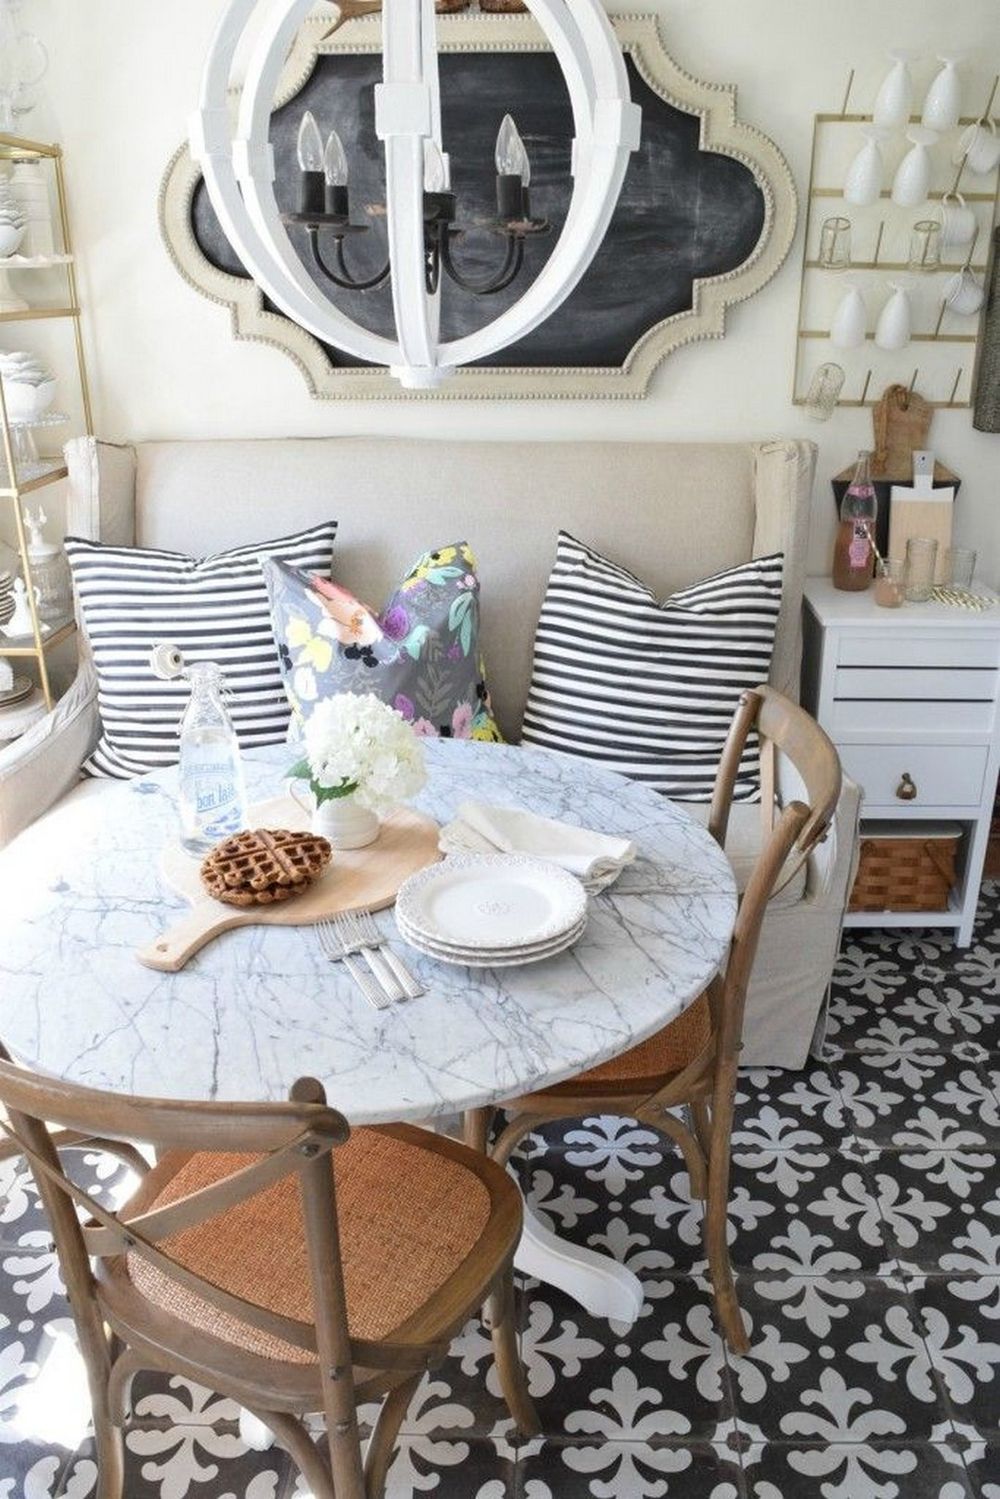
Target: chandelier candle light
x: 325, y: 204
x: 420, y: 206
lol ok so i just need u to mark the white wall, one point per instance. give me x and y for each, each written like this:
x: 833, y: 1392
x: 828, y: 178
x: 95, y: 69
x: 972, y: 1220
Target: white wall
x: 124, y: 79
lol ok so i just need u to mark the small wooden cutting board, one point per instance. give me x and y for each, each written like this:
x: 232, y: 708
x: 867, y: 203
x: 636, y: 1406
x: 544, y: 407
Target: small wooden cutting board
x: 355, y: 878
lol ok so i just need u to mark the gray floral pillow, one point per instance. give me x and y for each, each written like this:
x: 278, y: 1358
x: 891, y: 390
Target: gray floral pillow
x: 421, y: 654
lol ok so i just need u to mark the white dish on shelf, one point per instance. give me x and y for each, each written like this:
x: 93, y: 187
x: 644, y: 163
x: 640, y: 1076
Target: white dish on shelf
x: 11, y: 235
x: 491, y: 902
x: 44, y: 419
x: 32, y: 262
x: 23, y: 687
x: 27, y: 401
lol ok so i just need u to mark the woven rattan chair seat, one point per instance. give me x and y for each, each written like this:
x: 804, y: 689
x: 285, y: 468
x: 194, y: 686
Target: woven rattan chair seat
x: 647, y: 1064
x: 408, y: 1217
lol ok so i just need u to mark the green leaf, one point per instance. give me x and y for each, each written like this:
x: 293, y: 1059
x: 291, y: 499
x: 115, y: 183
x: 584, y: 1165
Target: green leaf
x: 414, y: 641
x: 300, y: 771
x: 459, y: 610
x: 332, y: 793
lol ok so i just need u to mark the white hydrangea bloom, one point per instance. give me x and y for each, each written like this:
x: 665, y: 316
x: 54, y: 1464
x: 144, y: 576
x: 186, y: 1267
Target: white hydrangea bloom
x: 354, y: 740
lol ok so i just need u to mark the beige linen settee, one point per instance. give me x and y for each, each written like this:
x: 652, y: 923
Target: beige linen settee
x: 672, y: 513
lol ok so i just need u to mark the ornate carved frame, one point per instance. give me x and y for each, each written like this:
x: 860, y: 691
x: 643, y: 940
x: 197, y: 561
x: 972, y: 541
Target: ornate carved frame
x: 475, y: 32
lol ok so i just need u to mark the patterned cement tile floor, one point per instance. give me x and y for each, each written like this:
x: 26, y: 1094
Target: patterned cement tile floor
x: 865, y: 1229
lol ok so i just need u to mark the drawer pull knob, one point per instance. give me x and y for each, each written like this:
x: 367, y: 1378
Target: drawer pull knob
x: 906, y: 790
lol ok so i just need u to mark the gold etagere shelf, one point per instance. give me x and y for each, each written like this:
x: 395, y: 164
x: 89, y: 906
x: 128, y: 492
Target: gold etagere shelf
x: 965, y: 344
x: 45, y: 634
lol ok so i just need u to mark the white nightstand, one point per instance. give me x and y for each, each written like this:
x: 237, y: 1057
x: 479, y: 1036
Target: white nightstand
x: 909, y: 696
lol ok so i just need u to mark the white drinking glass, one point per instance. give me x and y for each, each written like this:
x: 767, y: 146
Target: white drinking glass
x: 863, y: 182
x: 850, y: 321
x: 895, y: 96
x: 892, y: 331
x: 943, y: 103
x: 824, y: 392
x: 913, y: 175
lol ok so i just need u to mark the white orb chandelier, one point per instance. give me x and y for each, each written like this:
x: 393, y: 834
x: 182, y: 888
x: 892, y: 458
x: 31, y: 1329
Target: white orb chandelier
x: 237, y: 161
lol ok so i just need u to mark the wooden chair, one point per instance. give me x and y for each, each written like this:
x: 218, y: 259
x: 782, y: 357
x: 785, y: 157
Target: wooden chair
x: 277, y: 1257
x: 693, y: 1061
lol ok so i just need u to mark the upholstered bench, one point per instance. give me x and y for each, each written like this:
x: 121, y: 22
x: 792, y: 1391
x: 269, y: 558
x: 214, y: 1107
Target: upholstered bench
x: 672, y: 513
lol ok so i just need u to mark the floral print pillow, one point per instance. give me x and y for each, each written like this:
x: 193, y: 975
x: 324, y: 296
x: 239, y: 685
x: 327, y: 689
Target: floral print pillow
x: 421, y: 654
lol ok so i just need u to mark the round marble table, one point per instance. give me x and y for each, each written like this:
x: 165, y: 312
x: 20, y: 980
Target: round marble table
x: 260, y: 1006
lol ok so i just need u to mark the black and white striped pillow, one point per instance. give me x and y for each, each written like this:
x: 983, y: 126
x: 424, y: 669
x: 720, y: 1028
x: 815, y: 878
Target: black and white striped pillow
x: 648, y: 688
x: 213, y: 608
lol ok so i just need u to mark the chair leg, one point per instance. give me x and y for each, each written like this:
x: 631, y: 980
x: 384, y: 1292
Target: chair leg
x: 476, y: 1128
x: 702, y: 1125
x: 717, y: 1248
x: 293, y: 1437
x: 383, y: 1438
x: 110, y: 1448
x: 124, y: 1369
x: 510, y: 1137
x: 499, y: 1316
x: 669, y: 1125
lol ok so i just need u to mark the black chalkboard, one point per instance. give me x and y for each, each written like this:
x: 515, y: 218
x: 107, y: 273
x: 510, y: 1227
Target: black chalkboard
x: 683, y: 213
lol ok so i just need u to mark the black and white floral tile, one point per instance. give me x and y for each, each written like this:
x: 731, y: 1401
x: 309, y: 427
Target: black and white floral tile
x: 865, y: 1232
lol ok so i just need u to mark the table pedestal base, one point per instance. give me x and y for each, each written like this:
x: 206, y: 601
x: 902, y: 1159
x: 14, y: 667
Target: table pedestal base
x: 601, y: 1286
x: 253, y: 1433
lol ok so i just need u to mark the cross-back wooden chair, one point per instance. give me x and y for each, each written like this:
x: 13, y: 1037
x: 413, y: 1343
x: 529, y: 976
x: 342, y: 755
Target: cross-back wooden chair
x: 275, y: 1256
x: 693, y: 1061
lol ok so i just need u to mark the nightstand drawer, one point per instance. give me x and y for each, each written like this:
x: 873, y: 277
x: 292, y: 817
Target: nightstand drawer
x: 941, y: 775
x: 917, y: 684
x: 890, y: 648
x: 873, y: 717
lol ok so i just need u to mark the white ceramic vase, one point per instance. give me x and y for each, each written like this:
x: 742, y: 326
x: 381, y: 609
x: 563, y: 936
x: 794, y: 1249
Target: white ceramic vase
x: 863, y: 182
x: 895, y: 97
x: 850, y: 321
x: 912, y: 181
x: 343, y: 820
x: 943, y: 103
x: 892, y: 331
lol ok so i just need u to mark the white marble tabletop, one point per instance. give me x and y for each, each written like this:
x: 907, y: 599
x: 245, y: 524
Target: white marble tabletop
x: 259, y: 1006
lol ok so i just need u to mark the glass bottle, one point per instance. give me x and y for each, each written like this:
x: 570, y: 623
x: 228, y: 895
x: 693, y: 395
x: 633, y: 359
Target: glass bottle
x: 212, y: 794
x: 854, y: 549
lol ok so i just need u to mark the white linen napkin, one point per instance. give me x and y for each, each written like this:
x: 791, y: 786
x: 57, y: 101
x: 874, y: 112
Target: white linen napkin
x: 595, y: 858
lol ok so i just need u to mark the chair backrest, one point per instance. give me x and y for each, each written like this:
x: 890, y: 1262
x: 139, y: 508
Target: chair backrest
x: 280, y: 1139
x: 790, y: 832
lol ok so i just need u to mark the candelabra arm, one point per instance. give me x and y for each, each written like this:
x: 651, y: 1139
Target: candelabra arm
x: 342, y: 276
x: 509, y: 270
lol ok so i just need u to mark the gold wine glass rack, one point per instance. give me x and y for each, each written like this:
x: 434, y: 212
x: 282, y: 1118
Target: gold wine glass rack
x: 18, y: 480
x: 945, y: 342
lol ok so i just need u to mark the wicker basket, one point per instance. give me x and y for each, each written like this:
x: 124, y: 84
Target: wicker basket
x: 910, y: 869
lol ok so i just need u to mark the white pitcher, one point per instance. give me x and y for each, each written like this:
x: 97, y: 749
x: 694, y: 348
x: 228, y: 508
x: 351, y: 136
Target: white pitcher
x: 343, y: 820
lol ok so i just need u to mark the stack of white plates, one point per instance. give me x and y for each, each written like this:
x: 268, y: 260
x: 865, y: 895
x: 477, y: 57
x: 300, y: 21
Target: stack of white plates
x: 491, y: 910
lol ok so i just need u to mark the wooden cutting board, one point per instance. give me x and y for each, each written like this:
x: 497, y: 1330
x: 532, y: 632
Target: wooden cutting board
x: 355, y: 878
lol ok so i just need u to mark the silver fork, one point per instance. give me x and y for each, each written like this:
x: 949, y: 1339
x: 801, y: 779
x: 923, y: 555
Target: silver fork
x: 336, y: 951
x: 371, y: 936
x: 348, y: 929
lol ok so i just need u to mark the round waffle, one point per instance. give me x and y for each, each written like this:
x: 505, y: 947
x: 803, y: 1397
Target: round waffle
x: 263, y: 865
